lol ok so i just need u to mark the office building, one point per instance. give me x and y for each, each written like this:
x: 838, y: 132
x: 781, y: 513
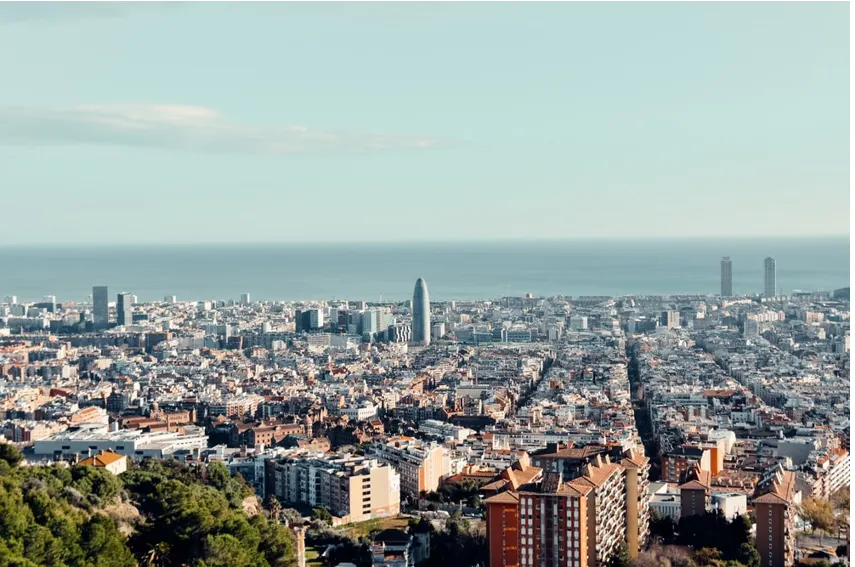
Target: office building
x: 244, y: 298
x: 124, y: 312
x: 316, y: 319
x: 100, y: 307
x: 421, y: 313
x: 306, y: 320
x: 352, y: 488
x: 770, y: 280
x: 726, y: 277
x: 670, y: 319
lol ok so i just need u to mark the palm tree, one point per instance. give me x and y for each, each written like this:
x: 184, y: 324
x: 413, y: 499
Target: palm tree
x: 275, y: 509
x: 158, y: 555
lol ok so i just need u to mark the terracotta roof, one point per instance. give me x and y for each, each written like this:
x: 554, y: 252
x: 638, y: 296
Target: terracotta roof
x: 780, y: 490
x: 693, y: 485
x: 599, y: 475
x: 102, y: 460
x: 503, y: 498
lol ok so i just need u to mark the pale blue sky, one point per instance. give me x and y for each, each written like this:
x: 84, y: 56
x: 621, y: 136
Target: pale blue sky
x: 308, y: 122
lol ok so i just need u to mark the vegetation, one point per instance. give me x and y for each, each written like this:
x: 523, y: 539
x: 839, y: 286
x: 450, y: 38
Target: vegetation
x: 57, y: 516
x: 819, y: 514
x: 620, y: 558
x: 716, y: 541
x: 466, y: 492
x: 321, y: 514
x: 366, y: 529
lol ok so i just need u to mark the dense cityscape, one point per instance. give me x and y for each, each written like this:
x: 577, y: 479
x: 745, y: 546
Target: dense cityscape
x: 519, y: 431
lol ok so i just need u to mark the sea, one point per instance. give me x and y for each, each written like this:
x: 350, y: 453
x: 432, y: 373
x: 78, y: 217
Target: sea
x: 453, y: 271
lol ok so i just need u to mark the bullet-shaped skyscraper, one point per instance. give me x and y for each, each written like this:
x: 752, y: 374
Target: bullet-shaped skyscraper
x: 421, y: 313
x: 770, y: 281
x: 726, y: 277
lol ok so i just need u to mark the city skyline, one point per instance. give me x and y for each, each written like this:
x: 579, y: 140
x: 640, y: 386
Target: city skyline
x: 384, y: 273
x: 608, y: 121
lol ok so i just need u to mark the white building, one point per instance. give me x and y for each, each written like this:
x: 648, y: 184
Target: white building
x: 444, y: 430
x: 87, y: 440
x: 363, y: 412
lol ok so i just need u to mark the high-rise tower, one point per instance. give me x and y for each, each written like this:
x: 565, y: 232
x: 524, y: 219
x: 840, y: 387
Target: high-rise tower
x: 124, y: 313
x: 100, y: 309
x: 421, y: 313
x: 726, y: 277
x: 770, y: 281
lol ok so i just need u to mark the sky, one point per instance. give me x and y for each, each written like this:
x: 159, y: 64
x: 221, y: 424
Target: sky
x: 308, y: 122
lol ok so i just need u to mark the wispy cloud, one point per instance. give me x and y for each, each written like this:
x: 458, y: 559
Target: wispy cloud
x: 184, y: 128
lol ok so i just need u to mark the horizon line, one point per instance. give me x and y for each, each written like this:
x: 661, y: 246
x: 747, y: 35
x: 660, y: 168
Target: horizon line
x: 446, y: 241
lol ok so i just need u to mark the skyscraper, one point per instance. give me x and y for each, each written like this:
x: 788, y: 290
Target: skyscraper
x: 100, y: 311
x: 726, y: 277
x: 421, y: 313
x: 124, y: 314
x: 770, y: 282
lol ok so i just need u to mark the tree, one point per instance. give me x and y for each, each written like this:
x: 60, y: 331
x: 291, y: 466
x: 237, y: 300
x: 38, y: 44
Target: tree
x: 10, y: 454
x: 274, y: 507
x: 620, y: 557
x: 748, y: 555
x: 322, y: 514
x: 819, y: 513
x: 840, y: 500
x: 708, y: 556
x: 664, y: 528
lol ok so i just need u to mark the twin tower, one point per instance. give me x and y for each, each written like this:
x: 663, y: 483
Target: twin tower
x: 421, y: 313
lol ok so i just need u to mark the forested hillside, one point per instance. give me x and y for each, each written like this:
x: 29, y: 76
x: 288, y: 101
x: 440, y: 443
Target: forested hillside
x: 156, y: 514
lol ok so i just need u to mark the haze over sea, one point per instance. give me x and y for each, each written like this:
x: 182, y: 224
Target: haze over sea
x: 473, y: 270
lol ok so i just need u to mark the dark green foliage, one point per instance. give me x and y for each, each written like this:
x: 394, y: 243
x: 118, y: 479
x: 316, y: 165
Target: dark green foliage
x: 55, y: 517
x: 458, y: 543
x: 454, y: 493
x: 663, y: 529
x: 712, y: 530
x: 10, y: 454
x: 620, y: 558
x: 322, y: 514
x: 748, y: 555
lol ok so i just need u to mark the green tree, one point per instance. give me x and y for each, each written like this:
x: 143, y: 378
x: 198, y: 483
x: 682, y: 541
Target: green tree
x: 276, y: 543
x: 708, y: 556
x: 104, y: 545
x: 225, y: 550
x: 10, y: 454
x: 322, y: 514
x: 748, y: 555
x: 620, y: 557
x: 664, y: 528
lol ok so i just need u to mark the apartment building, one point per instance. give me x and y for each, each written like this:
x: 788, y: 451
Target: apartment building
x: 775, y: 509
x: 574, y: 462
x: 352, y: 488
x: 580, y: 522
x: 235, y: 406
x: 677, y: 462
x: 421, y: 465
x: 695, y: 492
